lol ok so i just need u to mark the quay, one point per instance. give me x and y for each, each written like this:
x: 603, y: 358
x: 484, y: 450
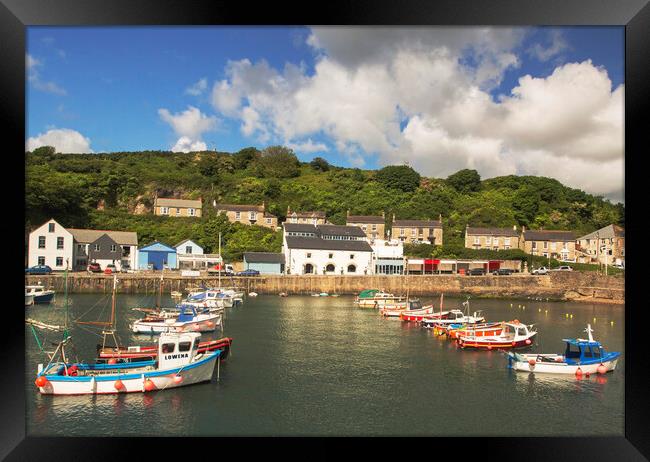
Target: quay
x: 574, y: 286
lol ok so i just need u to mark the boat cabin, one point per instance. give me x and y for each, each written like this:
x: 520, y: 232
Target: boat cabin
x: 580, y: 351
x: 176, y: 349
x: 515, y: 331
x: 36, y: 290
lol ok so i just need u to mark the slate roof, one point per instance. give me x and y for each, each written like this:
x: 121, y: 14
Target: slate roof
x: 87, y: 236
x: 300, y: 228
x: 417, y: 223
x: 607, y: 232
x: 240, y: 207
x: 316, y: 243
x: 170, y: 202
x: 549, y: 235
x: 264, y: 257
x: 339, y: 230
x: 311, y: 214
x: 491, y: 232
x: 365, y: 219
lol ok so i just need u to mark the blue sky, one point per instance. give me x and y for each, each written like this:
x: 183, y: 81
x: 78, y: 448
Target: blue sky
x: 108, y: 89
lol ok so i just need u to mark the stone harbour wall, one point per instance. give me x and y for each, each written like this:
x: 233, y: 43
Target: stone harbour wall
x: 576, y: 285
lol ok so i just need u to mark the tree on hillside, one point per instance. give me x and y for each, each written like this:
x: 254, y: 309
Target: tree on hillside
x: 277, y: 162
x: 400, y: 177
x: 45, y: 150
x: 465, y: 181
x: 244, y: 157
x: 320, y: 164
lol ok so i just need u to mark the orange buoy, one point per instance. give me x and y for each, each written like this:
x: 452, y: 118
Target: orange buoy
x: 112, y: 361
x: 531, y: 362
x: 118, y: 384
x: 578, y: 372
x: 514, y: 343
x: 601, y: 369
x: 41, y: 381
x: 149, y: 385
x: 489, y: 347
x: 178, y: 379
x: 587, y: 374
x: 528, y: 342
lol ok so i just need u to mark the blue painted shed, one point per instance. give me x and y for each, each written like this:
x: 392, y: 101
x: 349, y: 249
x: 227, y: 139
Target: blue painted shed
x: 264, y: 262
x: 156, y: 255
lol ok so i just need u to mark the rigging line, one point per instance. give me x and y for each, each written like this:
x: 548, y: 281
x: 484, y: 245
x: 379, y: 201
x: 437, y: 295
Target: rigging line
x: 92, y: 307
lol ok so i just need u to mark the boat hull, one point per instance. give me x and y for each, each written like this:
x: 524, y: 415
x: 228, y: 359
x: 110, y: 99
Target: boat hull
x: 207, y: 324
x: 43, y: 299
x: 200, y: 371
x: 140, y: 353
x: 556, y: 367
x: 492, y: 343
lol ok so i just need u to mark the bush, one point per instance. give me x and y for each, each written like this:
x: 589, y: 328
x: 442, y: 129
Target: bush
x: 399, y: 177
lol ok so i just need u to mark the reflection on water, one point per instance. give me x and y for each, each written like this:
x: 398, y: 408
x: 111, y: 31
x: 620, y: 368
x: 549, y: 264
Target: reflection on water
x: 321, y: 366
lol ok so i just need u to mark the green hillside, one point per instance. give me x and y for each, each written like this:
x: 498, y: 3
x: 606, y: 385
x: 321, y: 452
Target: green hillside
x: 103, y: 190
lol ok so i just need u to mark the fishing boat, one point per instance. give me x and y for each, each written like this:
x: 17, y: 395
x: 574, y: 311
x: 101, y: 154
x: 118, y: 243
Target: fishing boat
x: 283, y: 294
x: 375, y: 298
x: 210, y: 299
x: 414, y: 306
x: 178, y: 363
x: 416, y: 315
x: 252, y: 294
x: 113, y: 355
x: 478, y: 330
x: 40, y: 294
x: 581, y: 356
x: 452, y: 317
x: 29, y: 300
x: 187, y: 321
x: 513, y: 335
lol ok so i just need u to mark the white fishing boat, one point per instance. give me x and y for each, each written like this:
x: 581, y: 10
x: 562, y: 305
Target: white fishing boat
x: 188, y: 320
x: 374, y: 298
x: 178, y: 364
x: 29, y: 300
x: 452, y: 317
x: 252, y: 294
x: 210, y: 299
x: 580, y: 357
x: 40, y: 294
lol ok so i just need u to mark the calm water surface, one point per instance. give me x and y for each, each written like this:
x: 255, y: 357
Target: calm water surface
x: 322, y: 366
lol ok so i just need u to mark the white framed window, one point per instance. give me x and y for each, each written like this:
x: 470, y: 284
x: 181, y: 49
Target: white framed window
x: 81, y: 247
x: 331, y: 255
x: 50, y: 227
x: 495, y: 241
x: 269, y: 221
x: 506, y: 241
x: 374, y: 227
x: 553, y: 246
x: 164, y: 210
x: 252, y: 216
x: 41, y: 260
x: 59, y: 261
x: 546, y: 244
x: 477, y: 240
x: 188, y: 249
x: 534, y: 245
x: 96, y: 247
x: 41, y: 242
x: 178, y: 212
x: 237, y: 215
x: 59, y: 243
x: 113, y: 248
x: 488, y: 240
x: 414, y: 232
x: 191, y: 212
x: 308, y: 255
x: 402, y: 231
x: 351, y: 256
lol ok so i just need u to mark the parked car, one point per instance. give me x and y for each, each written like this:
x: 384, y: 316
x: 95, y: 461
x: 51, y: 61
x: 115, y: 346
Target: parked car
x: 541, y: 270
x: 226, y: 270
x: 503, y: 272
x: 94, y: 268
x: 249, y: 272
x: 476, y: 272
x: 110, y: 269
x: 620, y: 266
x: 38, y: 269
x: 564, y: 268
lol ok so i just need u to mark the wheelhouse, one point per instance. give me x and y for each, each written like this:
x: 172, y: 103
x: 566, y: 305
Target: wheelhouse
x: 578, y: 351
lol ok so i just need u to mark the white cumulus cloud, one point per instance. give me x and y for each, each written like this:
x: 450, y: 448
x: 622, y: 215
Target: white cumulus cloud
x: 63, y: 140
x: 189, y: 125
x: 197, y: 88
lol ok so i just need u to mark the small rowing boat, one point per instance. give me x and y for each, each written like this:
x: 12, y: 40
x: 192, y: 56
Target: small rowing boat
x: 513, y: 335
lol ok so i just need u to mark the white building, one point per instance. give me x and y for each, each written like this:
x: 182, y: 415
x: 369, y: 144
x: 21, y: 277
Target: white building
x: 188, y: 247
x: 50, y: 244
x: 190, y: 255
x: 53, y: 245
x: 326, y: 249
x: 388, y: 256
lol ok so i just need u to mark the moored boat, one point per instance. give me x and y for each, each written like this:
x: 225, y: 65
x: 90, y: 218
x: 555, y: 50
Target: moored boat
x: 375, y: 298
x: 413, y: 305
x: 188, y: 320
x: 178, y: 364
x: 150, y: 352
x: 453, y: 317
x: 29, y: 300
x: 580, y: 357
x: 40, y: 294
x: 478, y: 330
x: 513, y: 335
x: 416, y: 315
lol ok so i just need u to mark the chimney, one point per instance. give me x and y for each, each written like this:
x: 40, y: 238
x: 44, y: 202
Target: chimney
x: 514, y: 227
x: 523, y: 229
x: 393, y: 218
x: 263, y: 204
x: 440, y: 218
x: 214, y: 203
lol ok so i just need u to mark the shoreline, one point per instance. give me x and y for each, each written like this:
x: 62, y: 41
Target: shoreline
x: 576, y: 286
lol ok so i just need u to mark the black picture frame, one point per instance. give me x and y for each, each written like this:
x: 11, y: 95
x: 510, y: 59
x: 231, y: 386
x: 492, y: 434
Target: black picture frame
x: 15, y: 15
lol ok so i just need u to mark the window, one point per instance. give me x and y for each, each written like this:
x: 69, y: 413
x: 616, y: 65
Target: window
x: 331, y: 255
x: 421, y: 231
x: 188, y: 249
x: 59, y: 261
x: 164, y: 210
x: 546, y: 244
x: 477, y: 240
x: 113, y: 247
x: 401, y: 231
x: 252, y: 216
x: 237, y: 215
x: 329, y: 268
x: 534, y: 245
x: 59, y: 243
x: 352, y: 269
x: 488, y: 240
x: 81, y: 247
x: 506, y: 241
x: 553, y: 246
x: 374, y: 227
x: 308, y: 255
x: 168, y: 347
x: 269, y: 221
x: 364, y: 227
x: 41, y: 242
x: 50, y: 227
x: 97, y: 247
x: 413, y: 232
x: 41, y: 260
x: 184, y: 346
x: 178, y: 212
x: 191, y: 212
x: 351, y: 256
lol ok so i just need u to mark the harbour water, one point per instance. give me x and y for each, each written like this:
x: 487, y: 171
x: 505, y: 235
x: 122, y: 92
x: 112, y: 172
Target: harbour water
x: 322, y: 366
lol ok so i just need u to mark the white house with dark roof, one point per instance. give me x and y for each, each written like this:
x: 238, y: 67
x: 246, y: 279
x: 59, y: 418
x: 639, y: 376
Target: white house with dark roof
x: 51, y: 244
x: 326, y: 249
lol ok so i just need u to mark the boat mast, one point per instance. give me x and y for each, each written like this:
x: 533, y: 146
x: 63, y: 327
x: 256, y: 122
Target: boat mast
x: 158, y: 298
x: 220, y: 263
